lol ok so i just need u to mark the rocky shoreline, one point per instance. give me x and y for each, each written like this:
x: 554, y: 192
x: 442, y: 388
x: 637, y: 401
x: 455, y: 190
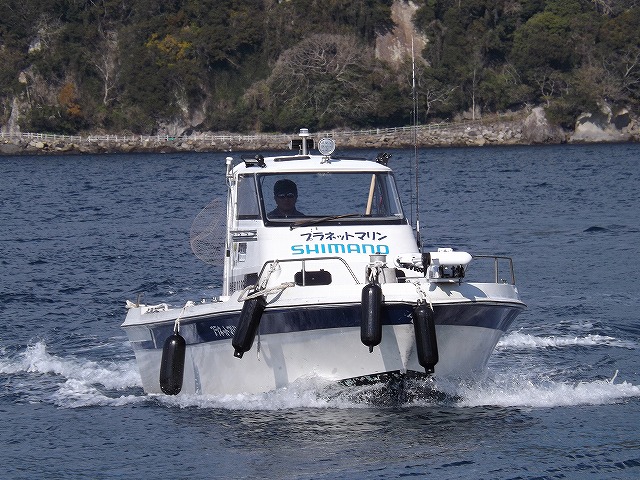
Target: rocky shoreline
x: 525, y: 130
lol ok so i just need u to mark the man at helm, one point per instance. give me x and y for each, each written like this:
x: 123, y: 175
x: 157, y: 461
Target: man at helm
x: 285, y: 193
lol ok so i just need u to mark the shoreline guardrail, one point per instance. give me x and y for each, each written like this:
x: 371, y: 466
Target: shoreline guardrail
x: 228, y: 137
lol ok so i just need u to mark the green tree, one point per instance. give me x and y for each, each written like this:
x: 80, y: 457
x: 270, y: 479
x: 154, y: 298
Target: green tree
x: 543, y: 43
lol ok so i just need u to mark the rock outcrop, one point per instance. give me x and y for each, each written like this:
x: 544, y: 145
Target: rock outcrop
x: 536, y: 129
x: 604, y: 126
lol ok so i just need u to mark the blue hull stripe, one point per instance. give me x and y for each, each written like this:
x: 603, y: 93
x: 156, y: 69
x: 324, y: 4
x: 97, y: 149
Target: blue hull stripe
x: 298, y: 319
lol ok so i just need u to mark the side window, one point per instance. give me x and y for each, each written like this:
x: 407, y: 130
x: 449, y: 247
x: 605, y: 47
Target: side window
x: 247, y: 198
x: 380, y: 203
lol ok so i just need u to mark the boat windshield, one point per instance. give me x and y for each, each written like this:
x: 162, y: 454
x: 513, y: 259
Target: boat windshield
x: 318, y: 197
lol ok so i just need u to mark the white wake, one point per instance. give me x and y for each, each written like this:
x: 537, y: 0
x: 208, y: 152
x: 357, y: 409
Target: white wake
x: 72, y: 382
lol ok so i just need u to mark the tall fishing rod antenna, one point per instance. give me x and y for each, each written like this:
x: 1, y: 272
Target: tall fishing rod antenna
x: 414, y: 94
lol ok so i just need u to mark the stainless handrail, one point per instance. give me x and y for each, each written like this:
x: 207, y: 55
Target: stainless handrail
x: 308, y: 259
x: 496, y: 267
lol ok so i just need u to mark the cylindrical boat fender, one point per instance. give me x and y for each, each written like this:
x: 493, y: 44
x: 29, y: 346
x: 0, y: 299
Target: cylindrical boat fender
x: 425, y: 331
x: 371, y: 320
x: 248, y: 325
x: 172, y: 364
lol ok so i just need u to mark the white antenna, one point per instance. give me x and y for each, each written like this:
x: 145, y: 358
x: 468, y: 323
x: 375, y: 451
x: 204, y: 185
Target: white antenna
x: 415, y: 145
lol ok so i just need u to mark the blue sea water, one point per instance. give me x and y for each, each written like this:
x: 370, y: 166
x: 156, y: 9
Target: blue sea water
x: 561, y: 399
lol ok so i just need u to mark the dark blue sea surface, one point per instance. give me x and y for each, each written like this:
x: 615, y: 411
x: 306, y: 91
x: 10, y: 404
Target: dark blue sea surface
x: 561, y: 399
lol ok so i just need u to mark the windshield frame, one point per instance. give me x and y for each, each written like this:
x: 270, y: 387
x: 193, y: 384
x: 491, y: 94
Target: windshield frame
x: 383, y: 188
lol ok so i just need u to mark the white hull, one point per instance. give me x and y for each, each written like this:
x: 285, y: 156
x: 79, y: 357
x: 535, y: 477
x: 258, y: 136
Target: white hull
x: 334, y: 355
x: 466, y: 334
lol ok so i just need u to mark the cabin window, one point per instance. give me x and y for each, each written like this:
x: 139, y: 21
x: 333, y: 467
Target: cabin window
x: 356, y: 196
x: 247, y: 198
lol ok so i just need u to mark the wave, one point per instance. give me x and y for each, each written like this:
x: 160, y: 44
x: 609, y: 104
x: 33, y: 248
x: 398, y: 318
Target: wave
x: 311, y: 392
x: 35, y: 359
x: 519, y: 340
x: 78, y: 393
x: 506, y: 390
x: 524, y: 391
x: 73, y: 382
x: 69, y: 381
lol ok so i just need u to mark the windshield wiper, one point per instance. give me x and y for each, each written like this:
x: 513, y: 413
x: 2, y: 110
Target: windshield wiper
x: 314, y: 221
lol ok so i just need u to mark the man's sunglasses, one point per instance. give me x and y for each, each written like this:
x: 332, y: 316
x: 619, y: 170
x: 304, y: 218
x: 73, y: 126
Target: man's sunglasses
x: 286, y: 195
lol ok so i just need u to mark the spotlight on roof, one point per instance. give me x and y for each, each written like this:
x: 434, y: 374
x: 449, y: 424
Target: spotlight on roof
x: 326, y: 146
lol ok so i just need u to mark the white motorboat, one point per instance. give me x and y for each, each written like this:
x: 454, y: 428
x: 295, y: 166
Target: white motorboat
x: 323, y: 277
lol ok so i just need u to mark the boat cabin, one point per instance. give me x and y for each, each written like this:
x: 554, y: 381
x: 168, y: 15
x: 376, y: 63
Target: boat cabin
x: 312, y: 211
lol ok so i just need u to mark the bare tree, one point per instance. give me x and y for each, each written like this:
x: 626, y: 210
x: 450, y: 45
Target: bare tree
x: 551, y: 84
x: 433, y: 96
x: 431, y: 92
x: 604, y: 6
x: 326, y: 73
x: 630, y: 63
x: 107, y: 64
x: 48, y: 29
x: 623, y: 71
x: 612, y: 8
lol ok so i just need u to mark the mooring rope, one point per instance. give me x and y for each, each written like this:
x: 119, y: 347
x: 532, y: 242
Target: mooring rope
x: 422, y: 294
x: 243, y: 297
x: 176, y: 324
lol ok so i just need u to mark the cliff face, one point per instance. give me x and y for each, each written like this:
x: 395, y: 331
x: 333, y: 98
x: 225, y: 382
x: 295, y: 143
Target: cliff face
x: 395, y: 47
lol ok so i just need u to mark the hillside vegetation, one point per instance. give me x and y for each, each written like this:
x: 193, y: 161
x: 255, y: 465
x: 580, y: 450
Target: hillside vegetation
x: 141, y: 66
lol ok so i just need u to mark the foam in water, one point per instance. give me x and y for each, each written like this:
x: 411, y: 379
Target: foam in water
x: 75, y: 381
x: 303, y: 393
x: 511, y: 390
x: 519, y: 340
x: 77, y: 393
x: 72, y: 382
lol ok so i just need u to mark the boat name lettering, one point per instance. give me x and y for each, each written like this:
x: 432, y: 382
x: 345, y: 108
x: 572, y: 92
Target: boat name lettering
x: 331, y: 236
x: 336, y: 248
x: 227, y: 331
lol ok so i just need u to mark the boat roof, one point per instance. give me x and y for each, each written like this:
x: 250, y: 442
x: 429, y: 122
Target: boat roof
x: 306, y: 163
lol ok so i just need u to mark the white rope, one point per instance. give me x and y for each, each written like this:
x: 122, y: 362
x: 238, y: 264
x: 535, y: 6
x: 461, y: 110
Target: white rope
x: 261, y: 289
x: 176, y: 325
x: 374, y: 272
x: 272, y: 268
x: 423, y: 295
x: 373, y: 275
x: 243, y: 297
